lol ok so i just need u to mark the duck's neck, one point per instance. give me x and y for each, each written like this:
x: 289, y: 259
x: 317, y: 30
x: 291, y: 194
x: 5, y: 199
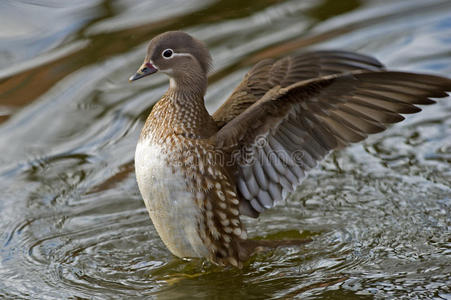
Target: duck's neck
x: 190, y: 86
x: 181, y: 111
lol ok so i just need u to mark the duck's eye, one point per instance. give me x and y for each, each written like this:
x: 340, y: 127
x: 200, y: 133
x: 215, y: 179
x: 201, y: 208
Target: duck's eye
x: 168, y: 53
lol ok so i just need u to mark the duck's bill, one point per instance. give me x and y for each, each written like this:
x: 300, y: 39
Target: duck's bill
x: 143, y: 71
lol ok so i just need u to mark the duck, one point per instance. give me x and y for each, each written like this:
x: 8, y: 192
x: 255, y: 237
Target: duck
x: 198, y: 174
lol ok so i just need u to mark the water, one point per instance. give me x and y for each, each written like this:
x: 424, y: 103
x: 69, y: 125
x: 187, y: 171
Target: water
x: 73, y: 225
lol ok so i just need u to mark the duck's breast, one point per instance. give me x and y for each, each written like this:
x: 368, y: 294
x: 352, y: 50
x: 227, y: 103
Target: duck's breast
x: 170, y: 204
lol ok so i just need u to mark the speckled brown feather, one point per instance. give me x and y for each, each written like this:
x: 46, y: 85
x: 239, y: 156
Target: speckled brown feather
x: 181, y: 125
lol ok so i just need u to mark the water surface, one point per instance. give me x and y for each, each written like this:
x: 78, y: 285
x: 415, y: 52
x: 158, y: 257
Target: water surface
x: 73, y: 224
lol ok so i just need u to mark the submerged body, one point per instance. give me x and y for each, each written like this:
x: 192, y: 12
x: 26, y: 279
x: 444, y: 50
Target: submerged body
x: 198, y: 173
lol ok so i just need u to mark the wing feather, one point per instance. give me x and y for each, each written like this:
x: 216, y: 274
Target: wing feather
x: 286, y: 71
x: 290, y: 128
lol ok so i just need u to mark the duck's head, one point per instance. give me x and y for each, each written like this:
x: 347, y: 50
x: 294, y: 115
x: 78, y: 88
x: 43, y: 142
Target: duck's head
x: 177, y: 54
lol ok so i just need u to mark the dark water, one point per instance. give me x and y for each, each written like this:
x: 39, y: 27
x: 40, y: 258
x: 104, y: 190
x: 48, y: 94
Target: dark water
x: 73, y: 225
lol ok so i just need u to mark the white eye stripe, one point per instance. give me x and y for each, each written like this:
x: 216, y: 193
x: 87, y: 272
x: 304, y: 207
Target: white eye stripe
x: 175, y: 54
x: 182, y: 54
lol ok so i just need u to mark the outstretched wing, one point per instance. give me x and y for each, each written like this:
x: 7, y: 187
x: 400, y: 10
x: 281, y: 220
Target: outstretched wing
x: 285, y: 133
x: 283, y: 72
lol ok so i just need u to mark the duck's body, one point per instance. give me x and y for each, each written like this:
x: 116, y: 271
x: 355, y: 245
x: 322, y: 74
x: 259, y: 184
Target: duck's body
x: 186, y: 188
x: 197, y: 173
x: 160, y: 154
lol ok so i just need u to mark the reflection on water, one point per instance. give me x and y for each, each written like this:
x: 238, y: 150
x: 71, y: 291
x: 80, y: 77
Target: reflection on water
x: 73, y: 223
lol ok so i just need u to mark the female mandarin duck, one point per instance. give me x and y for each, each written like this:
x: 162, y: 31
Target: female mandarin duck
x: 197, y: 173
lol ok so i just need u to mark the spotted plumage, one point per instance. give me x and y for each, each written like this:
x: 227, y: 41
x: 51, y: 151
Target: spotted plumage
x: 198, y: 173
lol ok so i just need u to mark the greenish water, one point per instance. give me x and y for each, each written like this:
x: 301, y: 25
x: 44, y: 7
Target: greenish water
x: 73, y: 225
